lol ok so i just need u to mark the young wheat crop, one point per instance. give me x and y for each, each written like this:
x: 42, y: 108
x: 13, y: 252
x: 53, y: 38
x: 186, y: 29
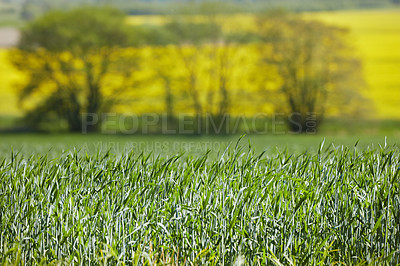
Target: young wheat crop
x: 337, y: 205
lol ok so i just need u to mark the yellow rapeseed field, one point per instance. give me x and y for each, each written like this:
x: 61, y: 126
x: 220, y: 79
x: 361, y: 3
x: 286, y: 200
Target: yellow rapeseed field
x: 375, y: 35
x: 9, y: 78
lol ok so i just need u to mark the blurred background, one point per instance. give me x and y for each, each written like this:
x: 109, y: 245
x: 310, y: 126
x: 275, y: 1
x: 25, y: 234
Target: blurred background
x: 289, y: 72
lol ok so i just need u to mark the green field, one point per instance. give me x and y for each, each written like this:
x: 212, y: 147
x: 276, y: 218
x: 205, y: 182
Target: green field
x: 54, y: 145
x: 333, y: 204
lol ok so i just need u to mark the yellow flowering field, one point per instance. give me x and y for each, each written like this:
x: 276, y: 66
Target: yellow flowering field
x: 376, y: 36
x: 9, y: 77
x: 374, y: 33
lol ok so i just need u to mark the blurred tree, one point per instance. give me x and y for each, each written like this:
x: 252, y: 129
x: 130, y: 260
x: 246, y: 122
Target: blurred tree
x: 317, y: 68
x: 208, y: 58
x: 190, y: 39
x: 75, y: 64
x: 162, y: 62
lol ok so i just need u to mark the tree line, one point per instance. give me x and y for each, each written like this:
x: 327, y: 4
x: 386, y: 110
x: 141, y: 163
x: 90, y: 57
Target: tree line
x: 90, y: 61
x: 30, y: 9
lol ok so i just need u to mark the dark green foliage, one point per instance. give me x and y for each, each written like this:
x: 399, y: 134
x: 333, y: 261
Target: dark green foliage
x: 80, y: 29
x: 193, y: 33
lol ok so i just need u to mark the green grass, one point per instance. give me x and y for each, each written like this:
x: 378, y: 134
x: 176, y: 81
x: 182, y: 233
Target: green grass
x: 330, y: 205
x: 53, y: 145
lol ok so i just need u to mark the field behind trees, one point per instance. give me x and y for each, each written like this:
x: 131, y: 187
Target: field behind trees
x: 374, y: 34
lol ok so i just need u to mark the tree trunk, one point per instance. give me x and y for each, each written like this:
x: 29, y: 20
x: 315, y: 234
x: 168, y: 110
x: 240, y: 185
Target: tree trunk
x: 303, y: 123
x: 93, y: 109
